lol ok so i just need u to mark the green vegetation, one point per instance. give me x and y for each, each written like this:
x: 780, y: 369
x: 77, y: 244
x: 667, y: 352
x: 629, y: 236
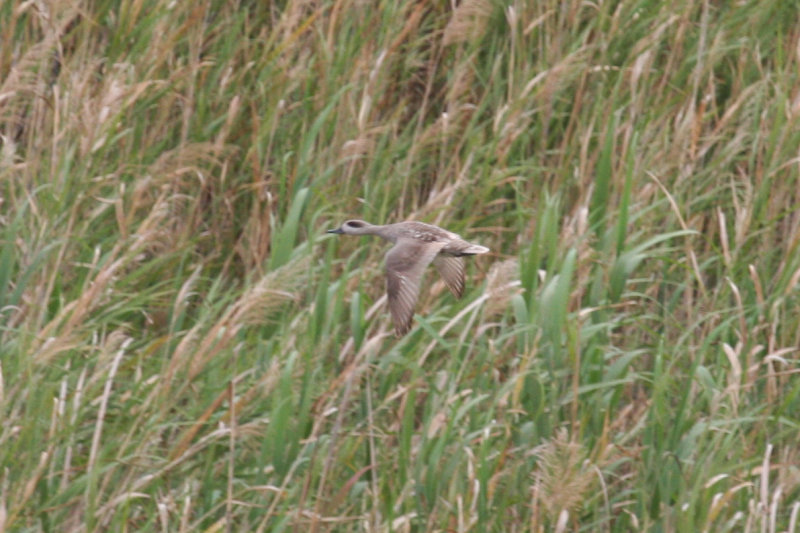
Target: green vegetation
x: 183, y: 348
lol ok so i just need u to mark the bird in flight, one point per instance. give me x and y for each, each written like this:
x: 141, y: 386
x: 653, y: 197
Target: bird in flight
x: 416, y: 245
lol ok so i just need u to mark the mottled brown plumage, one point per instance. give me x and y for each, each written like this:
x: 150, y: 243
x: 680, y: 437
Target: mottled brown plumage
x: 416, y: 246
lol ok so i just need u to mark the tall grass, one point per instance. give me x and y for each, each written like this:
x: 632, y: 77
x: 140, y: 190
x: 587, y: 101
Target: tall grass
x: 183, y: 348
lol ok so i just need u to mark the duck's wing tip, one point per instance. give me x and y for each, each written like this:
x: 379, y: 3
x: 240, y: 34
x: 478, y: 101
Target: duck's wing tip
x: 452, y: 270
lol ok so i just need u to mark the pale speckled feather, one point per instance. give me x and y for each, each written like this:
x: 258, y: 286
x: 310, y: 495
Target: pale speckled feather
x: 405, y: 263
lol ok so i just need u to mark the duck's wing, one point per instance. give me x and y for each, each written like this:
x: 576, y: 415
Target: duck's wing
x: 405, y: 263
x: 452, y: 271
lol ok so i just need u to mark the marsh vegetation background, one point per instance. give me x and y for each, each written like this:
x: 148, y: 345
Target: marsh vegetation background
x: 182, y: 348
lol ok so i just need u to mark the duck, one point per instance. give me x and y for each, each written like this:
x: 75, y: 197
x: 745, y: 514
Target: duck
x: 416, y: 245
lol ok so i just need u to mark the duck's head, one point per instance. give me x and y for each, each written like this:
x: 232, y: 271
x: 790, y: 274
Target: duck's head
x: 352, y: 227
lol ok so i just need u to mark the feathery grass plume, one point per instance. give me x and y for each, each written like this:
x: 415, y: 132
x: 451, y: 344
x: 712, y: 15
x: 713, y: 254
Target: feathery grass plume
x: 502, y: 283
x: 357, y: 148
x: 30, y: 69
x: 272, y: 292
x: 563, y: 475
x: 467, y: 25
x: 99, y: 104
x: 468, y: 22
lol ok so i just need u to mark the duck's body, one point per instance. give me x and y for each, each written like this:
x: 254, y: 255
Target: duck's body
x: 416, y: 245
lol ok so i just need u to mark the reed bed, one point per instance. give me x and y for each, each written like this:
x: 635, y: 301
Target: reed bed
x: 185, y: 349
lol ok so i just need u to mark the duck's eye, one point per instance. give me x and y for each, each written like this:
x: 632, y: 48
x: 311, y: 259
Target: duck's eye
x: 355, y: 224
